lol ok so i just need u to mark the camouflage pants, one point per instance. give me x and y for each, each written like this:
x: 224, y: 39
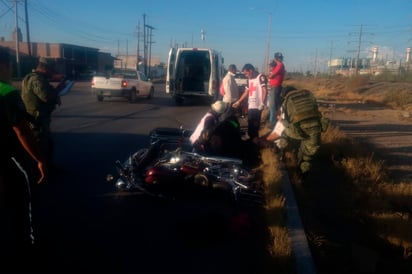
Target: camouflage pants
x: 41, y: 130
x: 306, y: 139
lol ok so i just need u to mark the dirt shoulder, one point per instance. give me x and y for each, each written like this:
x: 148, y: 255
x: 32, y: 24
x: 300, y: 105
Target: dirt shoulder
x: 363, y: 109
x: 389, y: 129
x: 337, y: 215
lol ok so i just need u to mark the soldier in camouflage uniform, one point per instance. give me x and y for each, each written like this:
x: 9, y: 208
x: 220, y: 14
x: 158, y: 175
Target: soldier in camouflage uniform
x: 40, y: 99
x: 303, y: 125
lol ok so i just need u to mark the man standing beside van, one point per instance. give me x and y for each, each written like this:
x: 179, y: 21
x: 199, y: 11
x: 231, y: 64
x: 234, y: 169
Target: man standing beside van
x: 256, y: 94
x: 229, y: 89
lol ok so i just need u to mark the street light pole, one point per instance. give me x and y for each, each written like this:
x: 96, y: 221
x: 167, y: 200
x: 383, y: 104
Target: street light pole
x: 267, y: 53
x: 17, y: 37
x: 265, y: 65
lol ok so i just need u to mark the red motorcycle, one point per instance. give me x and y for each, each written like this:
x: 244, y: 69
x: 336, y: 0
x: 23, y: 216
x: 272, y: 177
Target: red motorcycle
x: 169, y: 167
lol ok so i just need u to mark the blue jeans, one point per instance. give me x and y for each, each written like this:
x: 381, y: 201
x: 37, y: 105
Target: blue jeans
x: 274, y: 101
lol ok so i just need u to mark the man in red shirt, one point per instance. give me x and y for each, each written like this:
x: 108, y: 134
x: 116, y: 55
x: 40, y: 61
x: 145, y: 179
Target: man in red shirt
x: 276, y: 76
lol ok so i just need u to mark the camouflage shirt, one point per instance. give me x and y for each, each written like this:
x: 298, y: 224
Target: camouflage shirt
x: 38, y: 95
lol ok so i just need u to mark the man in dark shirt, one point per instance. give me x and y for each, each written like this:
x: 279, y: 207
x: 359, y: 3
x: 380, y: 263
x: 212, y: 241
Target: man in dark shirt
x: 16, y: 139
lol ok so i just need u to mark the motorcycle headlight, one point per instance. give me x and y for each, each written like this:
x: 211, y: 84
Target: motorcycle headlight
x: 174, y: 160
x: 120, y: 184
x: 109, y: 178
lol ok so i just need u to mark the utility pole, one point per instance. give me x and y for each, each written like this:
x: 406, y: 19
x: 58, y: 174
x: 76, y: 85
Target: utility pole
x: 118, y: 48
x: 265, y: 65
x: 358, y: 53
x: 315, y: 70
x: 146, y: 34
x: 138, y: 45
x: 149, y: 53
x: 127, y: 53
x: 27, y: 28
x: 267, y: 53
x: 144, y: 45
x: 330, y: 58
x: 202, y: 37
x: 17, y: 40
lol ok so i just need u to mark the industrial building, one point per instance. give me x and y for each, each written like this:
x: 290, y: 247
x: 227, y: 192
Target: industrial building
x: 370, y: 66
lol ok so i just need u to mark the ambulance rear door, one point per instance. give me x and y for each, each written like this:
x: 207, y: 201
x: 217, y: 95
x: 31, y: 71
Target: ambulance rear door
x: 171, y: 72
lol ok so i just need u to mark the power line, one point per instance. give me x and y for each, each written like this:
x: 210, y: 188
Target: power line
x: 359, y: 43
x: 75, y: 27
x: 8, y: 9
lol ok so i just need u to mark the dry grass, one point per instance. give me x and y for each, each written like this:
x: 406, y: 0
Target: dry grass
x: 279, y: 247
x: 359, y: 89
x: 353, y: 182
x: 350, y: 190
x: 376, y: 196
x: 395, y: 228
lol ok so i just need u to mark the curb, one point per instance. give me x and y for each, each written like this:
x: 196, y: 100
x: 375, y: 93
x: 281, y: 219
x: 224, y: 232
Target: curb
x: 300, y: 247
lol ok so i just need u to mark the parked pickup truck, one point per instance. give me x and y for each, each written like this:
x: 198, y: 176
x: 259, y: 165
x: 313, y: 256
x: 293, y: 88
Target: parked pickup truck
x: 130, y: 84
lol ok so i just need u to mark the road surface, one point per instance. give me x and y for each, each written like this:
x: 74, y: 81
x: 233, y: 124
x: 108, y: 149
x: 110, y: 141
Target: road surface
x: 82, y: 224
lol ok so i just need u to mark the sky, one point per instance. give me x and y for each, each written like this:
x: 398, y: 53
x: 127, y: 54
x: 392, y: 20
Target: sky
x: 309, y: 33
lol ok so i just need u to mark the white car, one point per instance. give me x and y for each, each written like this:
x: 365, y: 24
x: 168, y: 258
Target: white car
x: 241, y: 81
x: 130, y: 84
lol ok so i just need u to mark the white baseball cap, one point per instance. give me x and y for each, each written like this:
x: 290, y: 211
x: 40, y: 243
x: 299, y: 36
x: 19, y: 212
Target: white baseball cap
x: 219, y: 107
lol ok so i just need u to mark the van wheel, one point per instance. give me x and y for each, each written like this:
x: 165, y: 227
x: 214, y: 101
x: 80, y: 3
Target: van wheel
x: 132, y: 96
x: 99, y: 98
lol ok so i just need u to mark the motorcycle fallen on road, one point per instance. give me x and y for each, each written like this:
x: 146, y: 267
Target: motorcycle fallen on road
x: 170, y: 167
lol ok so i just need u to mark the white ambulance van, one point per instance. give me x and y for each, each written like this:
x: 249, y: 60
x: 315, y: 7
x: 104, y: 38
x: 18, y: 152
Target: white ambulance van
x: 194, y: 72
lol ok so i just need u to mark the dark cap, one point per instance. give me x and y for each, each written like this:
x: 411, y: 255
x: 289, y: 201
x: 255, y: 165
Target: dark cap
x: 248, y: 67
x: 43, y: 60
x: 278, y: 55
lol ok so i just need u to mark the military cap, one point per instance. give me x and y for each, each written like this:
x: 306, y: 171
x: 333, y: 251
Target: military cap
x: 44, y: 60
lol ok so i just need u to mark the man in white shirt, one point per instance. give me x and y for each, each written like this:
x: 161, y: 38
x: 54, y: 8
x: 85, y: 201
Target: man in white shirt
x: 229, y: 89
x: 256, y: 96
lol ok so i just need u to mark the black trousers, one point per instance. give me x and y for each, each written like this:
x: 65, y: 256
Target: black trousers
x: 16, y: 233
x: 254, y: 117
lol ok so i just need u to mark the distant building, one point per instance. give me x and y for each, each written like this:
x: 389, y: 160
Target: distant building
x: 371, y: 66
x: 74, y: 61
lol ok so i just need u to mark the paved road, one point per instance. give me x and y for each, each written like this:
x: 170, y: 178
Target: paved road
x: 83, y: 225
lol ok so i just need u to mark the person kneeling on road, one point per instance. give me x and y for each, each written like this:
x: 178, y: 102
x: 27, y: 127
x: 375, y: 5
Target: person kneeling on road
x: 303, y: 125
x: 200, y: 136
